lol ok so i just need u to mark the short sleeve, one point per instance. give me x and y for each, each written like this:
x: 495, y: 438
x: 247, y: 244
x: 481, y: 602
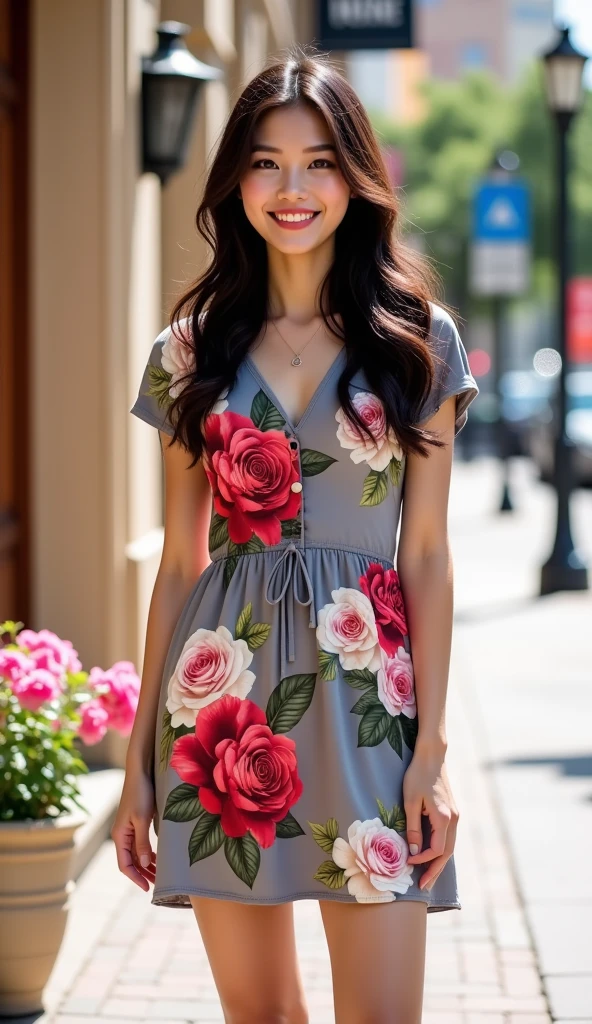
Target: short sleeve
x: 452, y: 374
x: 154, y: 396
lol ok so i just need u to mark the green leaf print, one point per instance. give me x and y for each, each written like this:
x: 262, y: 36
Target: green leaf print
x: 243, y: 621
x: 207, y: 837
x: 409, y: 730
x: 183, y: 803
x: 361, y: 679
x: 159, y: 382
x: 244, y: 858
x: 325, y: 835
x: 218, y: 534
x: 394, y: 818
x: 394, y: 735
x: 328, y: 664
x: 367, y: 700
x: 373, y: 726
x: 230, y: 565
x: 167, y: 737
x: 264, y: 414
x: 288, y: 828
x: 395, y: 468
x: 375, y: 488
x: 251, y: 547
x: 288, y: 702
x: 330, y: 875
x: 256, y: 635
x: 313, y: 463
x: 291, y: 529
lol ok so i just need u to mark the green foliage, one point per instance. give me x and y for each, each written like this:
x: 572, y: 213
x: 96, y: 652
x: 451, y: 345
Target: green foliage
x: 466, y: 123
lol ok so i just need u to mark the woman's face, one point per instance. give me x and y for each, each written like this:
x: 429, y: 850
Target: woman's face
x: 293, y: 171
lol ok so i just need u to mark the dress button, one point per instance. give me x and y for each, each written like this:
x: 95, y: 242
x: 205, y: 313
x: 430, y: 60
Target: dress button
x: 293, y: 444
x: 296, y: 486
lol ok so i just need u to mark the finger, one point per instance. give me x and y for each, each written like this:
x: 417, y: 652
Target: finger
x: 123, y: 842
x: 148, y: 872
x: 414, y: 833
x: 440, y: 822
x: 142, y: 842
x: 435, y: 869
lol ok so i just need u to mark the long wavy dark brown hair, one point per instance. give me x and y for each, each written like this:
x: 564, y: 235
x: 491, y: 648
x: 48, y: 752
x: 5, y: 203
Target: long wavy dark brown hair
x: 379, y: 286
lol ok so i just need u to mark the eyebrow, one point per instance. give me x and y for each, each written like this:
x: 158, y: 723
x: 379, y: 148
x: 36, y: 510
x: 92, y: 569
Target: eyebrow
x: 309, y: 149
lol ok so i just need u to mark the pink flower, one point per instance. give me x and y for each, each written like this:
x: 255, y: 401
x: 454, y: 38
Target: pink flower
x: 36, y: 688
x: 244, y: 772
x: 121, y: 685
x: 178, y: 359
x: 252, y: 473
x: 49, y: 651
x: 95, y: 722
x: 374, y: 860
x: 14, y: 665
x: 396, y: 688
x: 347, y: 628
x: 383, y: 589
x: 211, y: 664
x: 378, y: 453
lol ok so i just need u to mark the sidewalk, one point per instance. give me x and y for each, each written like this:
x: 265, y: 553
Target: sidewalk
x: 519, y: 760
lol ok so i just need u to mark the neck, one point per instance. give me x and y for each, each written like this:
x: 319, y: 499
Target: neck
x: 294, y: 281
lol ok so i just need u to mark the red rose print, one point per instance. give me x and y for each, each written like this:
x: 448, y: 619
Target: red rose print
x: 381, y: 586
x: 244, y: 772
x: 251, y: 473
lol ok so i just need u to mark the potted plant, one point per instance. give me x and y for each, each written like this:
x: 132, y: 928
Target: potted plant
x: 48, y: 704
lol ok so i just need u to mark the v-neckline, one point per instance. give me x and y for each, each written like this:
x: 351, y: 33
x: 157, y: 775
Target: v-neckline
x: 315, y: 395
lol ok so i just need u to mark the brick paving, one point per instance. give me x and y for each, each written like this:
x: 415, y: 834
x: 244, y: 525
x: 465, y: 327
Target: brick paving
x: 124, y: 960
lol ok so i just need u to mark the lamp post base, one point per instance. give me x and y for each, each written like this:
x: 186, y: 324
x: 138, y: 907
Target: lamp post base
x: 569, y: 574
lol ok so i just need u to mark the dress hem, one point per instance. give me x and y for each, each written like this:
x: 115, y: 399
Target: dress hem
x: 172, y: 898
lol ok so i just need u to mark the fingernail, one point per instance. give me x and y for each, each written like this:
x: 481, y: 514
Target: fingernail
x: 145, y: 860
x: 413, y: 849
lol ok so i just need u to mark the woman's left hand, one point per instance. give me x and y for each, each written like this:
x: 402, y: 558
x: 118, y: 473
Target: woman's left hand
x: 426, y: 790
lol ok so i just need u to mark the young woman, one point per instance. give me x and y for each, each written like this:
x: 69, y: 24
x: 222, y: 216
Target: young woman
x: 290, y: 739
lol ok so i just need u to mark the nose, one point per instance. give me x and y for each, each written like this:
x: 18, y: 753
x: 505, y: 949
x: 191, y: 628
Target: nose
x: 291, y: 186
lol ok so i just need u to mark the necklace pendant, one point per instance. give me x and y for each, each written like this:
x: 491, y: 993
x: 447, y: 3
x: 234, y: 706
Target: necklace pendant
x: 296, y: 361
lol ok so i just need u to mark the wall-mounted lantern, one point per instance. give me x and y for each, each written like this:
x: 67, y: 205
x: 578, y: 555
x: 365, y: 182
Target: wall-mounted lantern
x: 171, y: 81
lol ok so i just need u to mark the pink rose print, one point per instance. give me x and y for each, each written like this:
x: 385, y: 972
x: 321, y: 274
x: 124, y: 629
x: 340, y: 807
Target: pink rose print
x: 211, y: 665
x: 381, y: 586
x: 374, y: 860
x: 251, y: 473
x: 378, y: 453
x: 244, y: 772
x: 347, y: 628
x: 396, y: 690
x: 178, y: 359
x: 36, y: 688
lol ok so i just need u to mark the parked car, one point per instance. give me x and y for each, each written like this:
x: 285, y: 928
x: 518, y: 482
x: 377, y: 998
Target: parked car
x: 524, y: 396
x: 578, y: 426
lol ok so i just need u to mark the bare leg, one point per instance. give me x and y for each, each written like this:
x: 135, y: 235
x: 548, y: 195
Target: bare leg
x: 252, y: 953
x: 377, y: 960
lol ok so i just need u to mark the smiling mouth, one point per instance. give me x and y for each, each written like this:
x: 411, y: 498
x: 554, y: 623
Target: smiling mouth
x: 293, y: 220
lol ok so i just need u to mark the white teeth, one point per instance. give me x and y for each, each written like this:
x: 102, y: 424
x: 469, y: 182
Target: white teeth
x: 294, y: 216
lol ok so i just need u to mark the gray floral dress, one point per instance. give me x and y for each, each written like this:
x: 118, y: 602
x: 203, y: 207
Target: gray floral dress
x: 287, y: 714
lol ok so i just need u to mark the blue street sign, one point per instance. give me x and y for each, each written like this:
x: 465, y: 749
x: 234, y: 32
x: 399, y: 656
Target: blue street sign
x: 501, y: 211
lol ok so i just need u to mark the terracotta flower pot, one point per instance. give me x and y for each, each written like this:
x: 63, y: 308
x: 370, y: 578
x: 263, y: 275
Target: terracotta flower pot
x: 35, y: 885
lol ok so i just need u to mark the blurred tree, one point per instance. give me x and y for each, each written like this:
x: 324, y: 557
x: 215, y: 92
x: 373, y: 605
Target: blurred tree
x: 467, y: 122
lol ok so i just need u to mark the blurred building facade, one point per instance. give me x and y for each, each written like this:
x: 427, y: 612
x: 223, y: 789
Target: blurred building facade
x: 92, y: 255
x: 453, y: 36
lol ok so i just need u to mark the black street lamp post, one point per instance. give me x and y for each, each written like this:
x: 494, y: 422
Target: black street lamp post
x: 563, y: 66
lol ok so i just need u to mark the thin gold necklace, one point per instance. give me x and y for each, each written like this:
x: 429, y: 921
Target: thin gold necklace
x: 297, y: 361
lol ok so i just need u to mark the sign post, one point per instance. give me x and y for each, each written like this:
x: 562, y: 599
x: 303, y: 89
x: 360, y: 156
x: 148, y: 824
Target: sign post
x: 364, y: 24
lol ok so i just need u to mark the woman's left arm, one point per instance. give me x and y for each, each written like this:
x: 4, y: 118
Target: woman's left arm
x: 424, y: 564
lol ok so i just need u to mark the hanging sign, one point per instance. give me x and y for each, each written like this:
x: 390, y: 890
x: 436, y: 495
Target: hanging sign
x: 500, y: 254
x: 364, y: 24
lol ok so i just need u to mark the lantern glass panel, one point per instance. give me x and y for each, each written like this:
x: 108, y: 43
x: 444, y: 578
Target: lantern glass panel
x: 563, y: 78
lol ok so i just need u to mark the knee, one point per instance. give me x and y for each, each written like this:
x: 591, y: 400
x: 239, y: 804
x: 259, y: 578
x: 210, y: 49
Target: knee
x: 266, y: 1013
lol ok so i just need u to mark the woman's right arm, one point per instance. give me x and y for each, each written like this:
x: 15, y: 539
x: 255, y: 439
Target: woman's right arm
x: 185, y: 555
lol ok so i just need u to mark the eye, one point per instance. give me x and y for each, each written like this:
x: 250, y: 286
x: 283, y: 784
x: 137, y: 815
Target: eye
x: 264, y: 160
x: 323, y: 160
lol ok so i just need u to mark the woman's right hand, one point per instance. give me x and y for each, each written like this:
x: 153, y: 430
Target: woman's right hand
x: 130, y: 831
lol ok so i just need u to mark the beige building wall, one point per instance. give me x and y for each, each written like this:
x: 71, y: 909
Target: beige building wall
x: 110, y: 251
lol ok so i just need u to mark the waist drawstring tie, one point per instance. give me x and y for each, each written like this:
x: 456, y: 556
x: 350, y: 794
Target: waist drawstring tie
x: 288, y: 578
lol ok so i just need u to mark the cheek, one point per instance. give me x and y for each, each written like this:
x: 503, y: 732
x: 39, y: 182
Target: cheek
x: 333, y: 193
x: 255, y: 191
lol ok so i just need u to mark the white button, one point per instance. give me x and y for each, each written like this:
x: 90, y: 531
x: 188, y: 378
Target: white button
x: 296, y: 486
